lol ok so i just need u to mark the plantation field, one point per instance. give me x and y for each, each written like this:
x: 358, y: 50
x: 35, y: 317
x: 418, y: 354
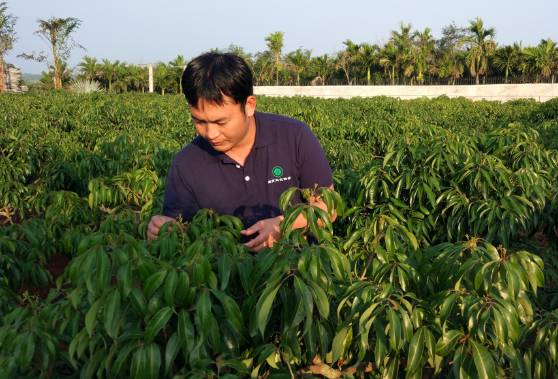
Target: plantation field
x: 443, y: 262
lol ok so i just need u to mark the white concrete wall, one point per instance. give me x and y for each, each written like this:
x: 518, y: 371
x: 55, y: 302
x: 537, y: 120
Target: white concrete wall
x: 499, y: 92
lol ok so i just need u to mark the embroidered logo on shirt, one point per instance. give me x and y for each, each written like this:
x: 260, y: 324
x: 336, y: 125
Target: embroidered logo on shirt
x: 278, y: 172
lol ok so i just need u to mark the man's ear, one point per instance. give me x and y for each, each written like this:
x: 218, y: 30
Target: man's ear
x: 250, y: 106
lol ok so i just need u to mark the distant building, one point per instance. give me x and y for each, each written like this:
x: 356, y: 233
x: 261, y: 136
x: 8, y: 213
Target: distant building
x: 12, y: 79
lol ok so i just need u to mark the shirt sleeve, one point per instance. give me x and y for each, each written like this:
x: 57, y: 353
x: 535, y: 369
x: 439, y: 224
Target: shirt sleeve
x: 314, y: 168
x: 179, y: 200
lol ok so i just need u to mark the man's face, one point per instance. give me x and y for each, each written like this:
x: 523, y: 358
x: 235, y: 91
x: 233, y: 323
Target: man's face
x: 223, y: 126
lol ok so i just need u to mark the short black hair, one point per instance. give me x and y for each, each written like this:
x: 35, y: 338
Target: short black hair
x: 212, y: 75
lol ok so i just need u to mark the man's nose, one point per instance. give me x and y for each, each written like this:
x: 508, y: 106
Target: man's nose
x: 212, y: 131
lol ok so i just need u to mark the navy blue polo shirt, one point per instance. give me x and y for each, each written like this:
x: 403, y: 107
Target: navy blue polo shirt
x: 285, y: 154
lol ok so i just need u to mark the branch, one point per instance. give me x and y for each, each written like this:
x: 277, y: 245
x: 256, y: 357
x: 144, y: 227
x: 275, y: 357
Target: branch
x: 38, y: 57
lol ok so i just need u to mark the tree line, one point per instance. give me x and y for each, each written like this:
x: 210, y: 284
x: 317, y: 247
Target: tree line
x: 462, y: 55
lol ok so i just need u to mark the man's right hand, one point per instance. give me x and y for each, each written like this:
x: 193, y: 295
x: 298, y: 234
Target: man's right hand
x: 155, y: 225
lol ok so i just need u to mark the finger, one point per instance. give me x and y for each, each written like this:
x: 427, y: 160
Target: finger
x: 253, y: 229
x: 256, y: 241
x: 249, y: 232
x: 259, y: 248
x: 270, y: 241
x: 253, y: 243
x: 152, y: 229
x: 159, y: 221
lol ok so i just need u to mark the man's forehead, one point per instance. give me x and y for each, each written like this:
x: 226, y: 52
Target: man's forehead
x: 213, y: 109
x: 225, y: 101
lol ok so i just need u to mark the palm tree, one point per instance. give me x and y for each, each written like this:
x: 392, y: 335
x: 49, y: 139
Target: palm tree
x: 481, y: 46
x: 450, y: 54
x: 7, y: 37
x: 451, y: 66
x: 108, y: 71
x: 423, y: 53
x: 122, y: 79
x: 163, y: 77
x: 368, y: 56
x: 177, y: 66
x: 275, y: 45
x: 263, y: 68
x: 89, y: 68
x: 403, y: 43
x: 505, y: 58
x: 47, y: 77
x: 57, y: 32
x: 139, y: 78
x: 298, y: 61
x: 238, y: 50
x: 543, y: 59
x: 521, y: 61
x: 388, y: 60
x: 347, y: 58
x: 323, y: 66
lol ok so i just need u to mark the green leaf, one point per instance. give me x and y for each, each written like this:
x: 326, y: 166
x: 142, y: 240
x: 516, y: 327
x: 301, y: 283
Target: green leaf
x: 91, y: 317
x: 447, y: 342
x: 352, y: 239
x: 182, y: 288
x: 395, y: 332
x: 74, y: 343
x: 232, y: 311
x: 171, y: 283
x: 154, y: 282
x: 157, y: 322
x: 122, y: 358
x: 102, y: 270
x: 152, y: 357
x: 392, y: 368
x: 447, y: 306
x: 381, y: 348
x: 224, y: 267
x: 285, y: 198
x: 483, y: 361
x: 25, y: 355
x: 139, y: 364
x: 320, y: 299
x: 340, y: 342
x: 173, y: 345
x: 203, y: 312
x: 112, y: 313
x: 185, y: 331
x: 416, y: 348
x: 138, y: 300
x: 387, y: 157
x: 124, y: 277
x: 305, y: 298
x: 263, y: 306
x: 290, y: 217
x: 76, y: 296
x: 429, y: 194
x: 492, y: 251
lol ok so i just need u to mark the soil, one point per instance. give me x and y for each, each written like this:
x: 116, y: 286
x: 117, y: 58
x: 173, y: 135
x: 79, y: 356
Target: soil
x: 55, y: 266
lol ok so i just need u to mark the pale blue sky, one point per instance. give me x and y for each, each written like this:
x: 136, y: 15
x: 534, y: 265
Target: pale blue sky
x: 140, y: 31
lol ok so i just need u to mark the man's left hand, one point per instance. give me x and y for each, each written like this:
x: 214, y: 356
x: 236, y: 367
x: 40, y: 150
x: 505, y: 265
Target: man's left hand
x: 268, y: 230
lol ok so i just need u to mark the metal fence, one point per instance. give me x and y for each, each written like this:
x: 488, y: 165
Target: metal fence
x: 427, y: 82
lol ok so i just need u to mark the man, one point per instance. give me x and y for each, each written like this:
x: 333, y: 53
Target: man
x: 242, y: 160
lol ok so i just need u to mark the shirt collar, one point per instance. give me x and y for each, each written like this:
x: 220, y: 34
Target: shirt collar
x: 264, y: 135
